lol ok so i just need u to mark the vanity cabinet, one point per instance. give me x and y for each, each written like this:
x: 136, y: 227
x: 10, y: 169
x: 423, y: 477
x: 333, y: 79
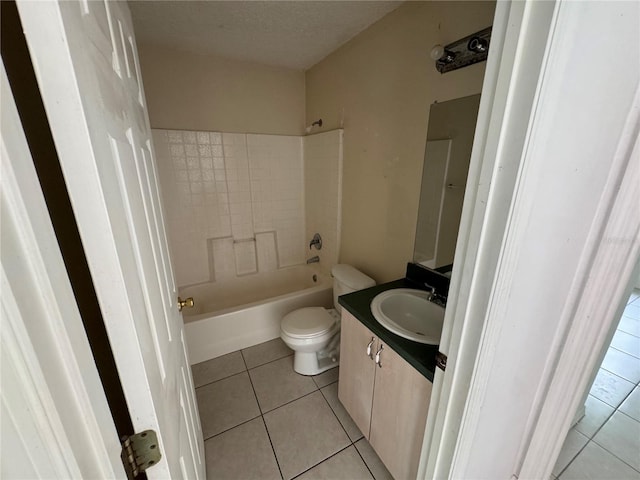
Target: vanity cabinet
x: 386, y: 397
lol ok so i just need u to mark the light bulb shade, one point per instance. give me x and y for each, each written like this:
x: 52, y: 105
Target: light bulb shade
x: 437, y: 52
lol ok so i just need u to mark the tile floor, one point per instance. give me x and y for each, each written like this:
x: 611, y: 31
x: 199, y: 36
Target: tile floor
x: 605, y: 444
x: 260, y: 419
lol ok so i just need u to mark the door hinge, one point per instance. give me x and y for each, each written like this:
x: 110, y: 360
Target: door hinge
x: 441, y: 361
x: 139, y: 452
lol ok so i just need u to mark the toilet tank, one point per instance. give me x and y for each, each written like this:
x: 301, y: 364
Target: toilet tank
x: 347, y: 279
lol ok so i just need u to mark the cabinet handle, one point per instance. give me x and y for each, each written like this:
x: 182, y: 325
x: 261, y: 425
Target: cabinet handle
x: 378, y: 356
x: 369, y: 348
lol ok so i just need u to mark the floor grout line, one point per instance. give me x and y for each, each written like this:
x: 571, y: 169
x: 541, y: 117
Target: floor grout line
x: 324, y: 460
x: 627, y: 333
x: 273, y: 449
x: 220, y: 379
x: 622, y: 351
x: 246, y: 369
x: 603, y: 423
x: 591, y: 439
x: 244, y: 360
x: 275, y: 456
x: 619, y: 376
x: 616, y: 456
x: 231, y: 428
x: 615, y: 407
x: 362, y: 458
x: 289, y: 402
x: 335, y: 415
x: 572, y: 459
x: 267, y: 363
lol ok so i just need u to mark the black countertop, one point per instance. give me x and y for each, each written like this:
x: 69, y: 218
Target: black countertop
x: 421, y: 357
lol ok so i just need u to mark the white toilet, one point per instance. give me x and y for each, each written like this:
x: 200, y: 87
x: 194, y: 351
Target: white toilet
x: 313, y: 333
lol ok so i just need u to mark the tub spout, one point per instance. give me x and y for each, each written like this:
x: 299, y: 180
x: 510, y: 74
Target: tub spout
x: 315, y: 259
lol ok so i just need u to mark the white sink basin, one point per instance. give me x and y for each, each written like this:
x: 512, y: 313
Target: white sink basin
x: 410, y: 314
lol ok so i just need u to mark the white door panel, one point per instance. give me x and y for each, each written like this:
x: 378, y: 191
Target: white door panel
x: 88, y: 72
x: 55, y: 419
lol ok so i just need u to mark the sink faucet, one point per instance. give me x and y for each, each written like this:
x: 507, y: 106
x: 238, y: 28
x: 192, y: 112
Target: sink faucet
x: 435, y: 297
x: 431, y: 289
x: 315, y: 259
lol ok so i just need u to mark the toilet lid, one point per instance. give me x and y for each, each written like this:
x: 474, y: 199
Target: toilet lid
x: 307, y: 322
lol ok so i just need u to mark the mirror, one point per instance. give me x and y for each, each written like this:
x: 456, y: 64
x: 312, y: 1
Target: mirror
x: 452, y: 125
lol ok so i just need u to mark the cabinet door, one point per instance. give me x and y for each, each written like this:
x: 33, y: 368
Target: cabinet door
x: 400, y: 404
x: 357, y: 371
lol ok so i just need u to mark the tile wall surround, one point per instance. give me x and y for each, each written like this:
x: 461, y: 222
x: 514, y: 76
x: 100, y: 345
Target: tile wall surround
x: 235, y: 202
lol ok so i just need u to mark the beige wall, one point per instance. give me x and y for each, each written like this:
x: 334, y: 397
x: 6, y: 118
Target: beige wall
x: 379, y: 86
x: 186, y: 91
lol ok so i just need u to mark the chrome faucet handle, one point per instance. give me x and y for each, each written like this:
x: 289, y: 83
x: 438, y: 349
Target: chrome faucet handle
x: 316, y: 241
x: 434, y: 296
x: 438, y: 299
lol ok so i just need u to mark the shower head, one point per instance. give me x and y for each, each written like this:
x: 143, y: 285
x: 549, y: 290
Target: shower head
x: 317, y: 123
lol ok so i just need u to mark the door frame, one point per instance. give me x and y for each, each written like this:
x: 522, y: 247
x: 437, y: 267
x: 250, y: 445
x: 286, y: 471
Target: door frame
x: 466, y: 423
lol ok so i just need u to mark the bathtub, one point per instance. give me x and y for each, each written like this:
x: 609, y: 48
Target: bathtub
x: 241, y: 312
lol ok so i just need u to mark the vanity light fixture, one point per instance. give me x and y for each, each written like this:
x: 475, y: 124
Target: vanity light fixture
x: 461, y: 53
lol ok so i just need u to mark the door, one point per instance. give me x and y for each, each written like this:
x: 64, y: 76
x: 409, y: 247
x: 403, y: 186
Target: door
x: 85, y: 57
x: 400, y: 403
x: 55, y: 419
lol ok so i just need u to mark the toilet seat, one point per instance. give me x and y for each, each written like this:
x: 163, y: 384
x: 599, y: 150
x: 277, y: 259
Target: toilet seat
x: 307, y: 322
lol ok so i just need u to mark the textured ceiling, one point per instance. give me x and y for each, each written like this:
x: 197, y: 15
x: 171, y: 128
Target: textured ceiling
x: 293, y: 34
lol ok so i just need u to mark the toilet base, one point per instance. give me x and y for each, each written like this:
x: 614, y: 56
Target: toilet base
x: 309, y: 363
